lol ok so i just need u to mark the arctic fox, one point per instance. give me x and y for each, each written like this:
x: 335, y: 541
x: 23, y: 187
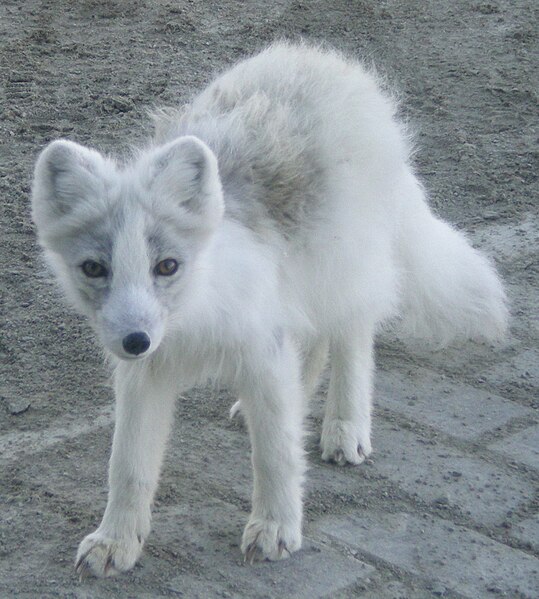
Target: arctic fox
x: 273, y: 222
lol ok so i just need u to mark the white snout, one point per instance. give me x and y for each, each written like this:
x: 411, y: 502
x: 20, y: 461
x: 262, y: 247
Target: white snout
x: 131, y: 323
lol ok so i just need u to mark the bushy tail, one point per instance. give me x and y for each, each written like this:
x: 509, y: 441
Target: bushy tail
x: 450, y: 291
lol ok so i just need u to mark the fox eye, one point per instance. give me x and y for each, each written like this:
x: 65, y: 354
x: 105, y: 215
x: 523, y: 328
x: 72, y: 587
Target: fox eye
x: 93, y: 269
x: 166, y: 267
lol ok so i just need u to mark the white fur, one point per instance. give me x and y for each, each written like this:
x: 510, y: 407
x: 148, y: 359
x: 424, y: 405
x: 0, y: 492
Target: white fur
x: 286, y: 196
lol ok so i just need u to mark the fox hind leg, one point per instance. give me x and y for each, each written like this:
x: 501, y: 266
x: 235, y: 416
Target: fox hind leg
x: 346, y: 427
x: 315, y: 358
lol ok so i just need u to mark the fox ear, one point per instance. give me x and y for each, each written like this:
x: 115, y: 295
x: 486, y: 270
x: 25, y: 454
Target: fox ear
x: 185, y: 171
x: 65, y: 174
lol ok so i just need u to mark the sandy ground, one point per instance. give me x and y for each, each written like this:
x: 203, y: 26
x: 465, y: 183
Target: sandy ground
x: 467, y: 75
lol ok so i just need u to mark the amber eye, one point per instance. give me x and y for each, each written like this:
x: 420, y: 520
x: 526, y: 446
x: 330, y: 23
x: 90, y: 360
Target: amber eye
x: 93, y: 269
x: 166, y: 267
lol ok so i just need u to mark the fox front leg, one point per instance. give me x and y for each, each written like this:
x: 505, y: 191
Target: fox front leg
x: 144, y: 409
x: 273, y: 408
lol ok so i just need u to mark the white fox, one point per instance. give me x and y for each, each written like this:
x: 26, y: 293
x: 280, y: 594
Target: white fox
x: 272, y: 222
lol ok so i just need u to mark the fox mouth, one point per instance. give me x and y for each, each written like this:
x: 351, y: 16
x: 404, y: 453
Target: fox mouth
x: 129, y: 358
x: 126, y: 357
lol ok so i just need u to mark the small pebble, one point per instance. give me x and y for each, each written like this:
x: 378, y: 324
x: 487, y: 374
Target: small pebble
x: 16, y: 406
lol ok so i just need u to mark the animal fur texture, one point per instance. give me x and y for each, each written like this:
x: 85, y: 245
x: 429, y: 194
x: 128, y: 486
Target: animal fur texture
x: 274, y: 221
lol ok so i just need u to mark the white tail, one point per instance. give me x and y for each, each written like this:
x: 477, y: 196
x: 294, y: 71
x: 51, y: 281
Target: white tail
x: 450, y: 290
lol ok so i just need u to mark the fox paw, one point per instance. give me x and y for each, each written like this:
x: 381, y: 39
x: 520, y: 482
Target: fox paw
x: 101, y: 556
x: 266, y: 539
x: 343, y: 443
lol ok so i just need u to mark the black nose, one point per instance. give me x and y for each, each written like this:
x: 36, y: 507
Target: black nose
x: 136, y: 343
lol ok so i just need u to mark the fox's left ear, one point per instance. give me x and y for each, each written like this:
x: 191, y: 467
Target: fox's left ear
x: 185, y: 172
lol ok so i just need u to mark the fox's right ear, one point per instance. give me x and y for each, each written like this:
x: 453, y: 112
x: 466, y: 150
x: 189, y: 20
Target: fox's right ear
x: 65, y: 174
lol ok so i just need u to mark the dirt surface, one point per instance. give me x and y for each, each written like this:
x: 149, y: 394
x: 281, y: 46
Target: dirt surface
x: 89, y: 70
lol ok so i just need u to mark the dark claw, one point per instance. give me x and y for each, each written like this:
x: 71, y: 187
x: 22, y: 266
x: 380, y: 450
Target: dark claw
x: 361, y: 453
x: 339, y: 458
x: 78, y: 564
x: 282, y: 547
x: 251, y: 551
x: 80, y: 561
x: 82, y: 568
x: 250, y: 554
x: 108, y: 564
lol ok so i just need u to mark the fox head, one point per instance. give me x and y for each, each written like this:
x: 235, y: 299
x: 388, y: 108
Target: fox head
x: 126, y: 243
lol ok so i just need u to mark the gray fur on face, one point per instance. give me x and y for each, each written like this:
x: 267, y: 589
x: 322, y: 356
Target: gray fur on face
x: 103, y: 241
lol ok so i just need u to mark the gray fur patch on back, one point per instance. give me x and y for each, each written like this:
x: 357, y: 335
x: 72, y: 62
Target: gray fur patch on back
x: 270, y: 168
